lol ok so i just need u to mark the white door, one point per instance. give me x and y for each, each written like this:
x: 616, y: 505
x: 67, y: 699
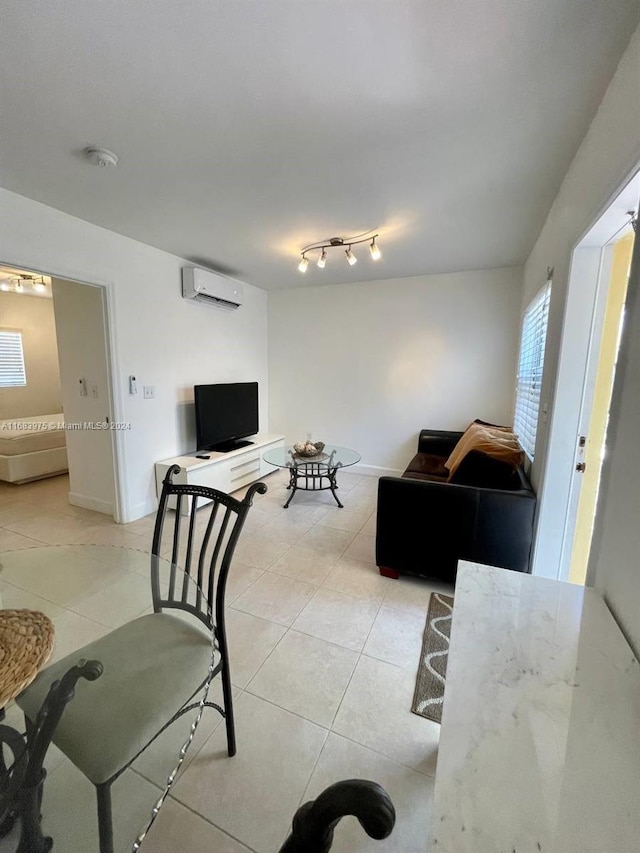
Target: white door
x: 596, y: 398
x: 586, y: 300
x: 81, y: 330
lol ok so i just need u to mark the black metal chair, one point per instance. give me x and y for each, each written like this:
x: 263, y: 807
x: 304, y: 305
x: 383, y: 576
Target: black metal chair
x: 22, y: 779
x: 156, y: 664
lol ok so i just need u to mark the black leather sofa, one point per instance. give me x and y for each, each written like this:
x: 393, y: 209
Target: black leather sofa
x: 425, y: 523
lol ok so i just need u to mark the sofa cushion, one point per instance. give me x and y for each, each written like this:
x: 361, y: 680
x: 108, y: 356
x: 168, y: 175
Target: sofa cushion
x: 484, y: 471
x: 431, y: 478
x: 427, y: 465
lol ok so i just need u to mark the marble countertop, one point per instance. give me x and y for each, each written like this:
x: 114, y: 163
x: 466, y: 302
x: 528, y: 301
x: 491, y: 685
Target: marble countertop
x: 540, y: 742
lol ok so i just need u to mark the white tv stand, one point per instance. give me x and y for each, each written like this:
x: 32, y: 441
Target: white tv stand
x: 223, y: 471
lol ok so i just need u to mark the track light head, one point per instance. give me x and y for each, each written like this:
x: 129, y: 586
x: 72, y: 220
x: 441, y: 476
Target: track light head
x: 322, y: 260
x: 376, y: 254
x: 351, y: 258
x: 304, y: 263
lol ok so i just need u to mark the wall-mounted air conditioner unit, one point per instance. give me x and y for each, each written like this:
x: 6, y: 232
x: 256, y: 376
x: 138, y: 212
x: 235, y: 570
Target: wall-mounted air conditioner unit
x: 211, y: 287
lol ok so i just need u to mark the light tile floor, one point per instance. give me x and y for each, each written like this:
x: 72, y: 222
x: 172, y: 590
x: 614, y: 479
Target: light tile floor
x: 324, y: 653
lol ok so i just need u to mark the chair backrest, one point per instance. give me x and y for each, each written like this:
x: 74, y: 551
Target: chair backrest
x: 212, y: 533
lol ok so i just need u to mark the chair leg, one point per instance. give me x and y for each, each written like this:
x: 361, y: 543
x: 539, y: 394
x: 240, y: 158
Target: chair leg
x: 228, y: 707
x: 105, y: 824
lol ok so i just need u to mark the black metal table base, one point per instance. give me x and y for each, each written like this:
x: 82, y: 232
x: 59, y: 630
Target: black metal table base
x: 309, y: 478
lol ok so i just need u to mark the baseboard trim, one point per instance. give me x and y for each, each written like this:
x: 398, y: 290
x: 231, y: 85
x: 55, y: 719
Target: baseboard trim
x: 140, y: 510
x: 87, y: 502
x: 374, y: 471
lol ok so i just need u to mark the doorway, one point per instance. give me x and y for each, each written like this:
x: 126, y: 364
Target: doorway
x: 596, y: 402
x: 594, y: 310
x: 66, y: 373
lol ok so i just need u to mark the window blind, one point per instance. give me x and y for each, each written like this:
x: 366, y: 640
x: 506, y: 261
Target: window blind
x: 12, y: 372
x: 530, y: 367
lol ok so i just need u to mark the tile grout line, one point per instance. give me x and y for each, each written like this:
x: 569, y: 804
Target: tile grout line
x: 210, y: 822
x: 360, y: 654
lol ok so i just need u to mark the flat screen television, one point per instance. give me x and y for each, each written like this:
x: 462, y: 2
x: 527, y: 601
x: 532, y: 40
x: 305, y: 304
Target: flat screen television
x: 225, y: 414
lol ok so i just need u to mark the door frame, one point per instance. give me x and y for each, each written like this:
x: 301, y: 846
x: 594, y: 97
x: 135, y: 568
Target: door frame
x: 589, y: 270
x: 114, y: 390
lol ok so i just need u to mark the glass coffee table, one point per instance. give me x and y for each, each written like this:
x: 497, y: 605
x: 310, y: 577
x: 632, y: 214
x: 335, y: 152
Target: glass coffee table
x: 312, y: 473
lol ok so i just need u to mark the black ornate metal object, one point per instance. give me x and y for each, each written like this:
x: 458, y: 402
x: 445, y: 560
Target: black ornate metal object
x: 11, y: 775
x: 315, y: 821
x: 23, y: 780
x: 312, y: 475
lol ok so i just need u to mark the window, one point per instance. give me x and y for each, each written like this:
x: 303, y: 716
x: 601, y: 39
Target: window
x: 12, y: 373
x: 530, y: 365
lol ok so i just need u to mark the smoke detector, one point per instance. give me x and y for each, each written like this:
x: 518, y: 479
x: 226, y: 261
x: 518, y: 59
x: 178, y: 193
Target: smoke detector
x: 101, y: 157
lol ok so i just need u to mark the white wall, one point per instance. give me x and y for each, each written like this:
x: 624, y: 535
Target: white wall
x: 608, y: 156
x: 82, y: 350
x: 158, y: 336
x: 368, y: 365
x: 33, y: 316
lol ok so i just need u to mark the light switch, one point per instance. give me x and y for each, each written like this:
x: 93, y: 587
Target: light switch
x: 149, y: 392
x: 94, y: 392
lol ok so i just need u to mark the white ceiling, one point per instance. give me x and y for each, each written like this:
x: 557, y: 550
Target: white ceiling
x: 249, y: 128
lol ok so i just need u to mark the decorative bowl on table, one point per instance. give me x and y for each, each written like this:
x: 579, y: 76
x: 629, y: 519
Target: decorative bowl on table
x: 308, y: 448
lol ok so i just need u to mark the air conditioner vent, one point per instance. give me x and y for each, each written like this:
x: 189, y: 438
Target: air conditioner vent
x: 204, y: 286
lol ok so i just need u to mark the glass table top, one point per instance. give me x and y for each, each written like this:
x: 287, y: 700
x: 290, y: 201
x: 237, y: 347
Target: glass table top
x: 336, y: 457
x: 88, y: 591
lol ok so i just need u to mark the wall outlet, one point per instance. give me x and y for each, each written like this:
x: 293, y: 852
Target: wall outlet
x: 149, y: 392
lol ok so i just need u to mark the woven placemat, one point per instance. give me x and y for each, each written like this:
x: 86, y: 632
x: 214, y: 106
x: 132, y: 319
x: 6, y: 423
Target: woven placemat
x: 26, y: 641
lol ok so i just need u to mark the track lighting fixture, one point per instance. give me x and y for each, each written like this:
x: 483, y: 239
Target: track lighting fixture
x: 339, y: 242
x: 16, y: 283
